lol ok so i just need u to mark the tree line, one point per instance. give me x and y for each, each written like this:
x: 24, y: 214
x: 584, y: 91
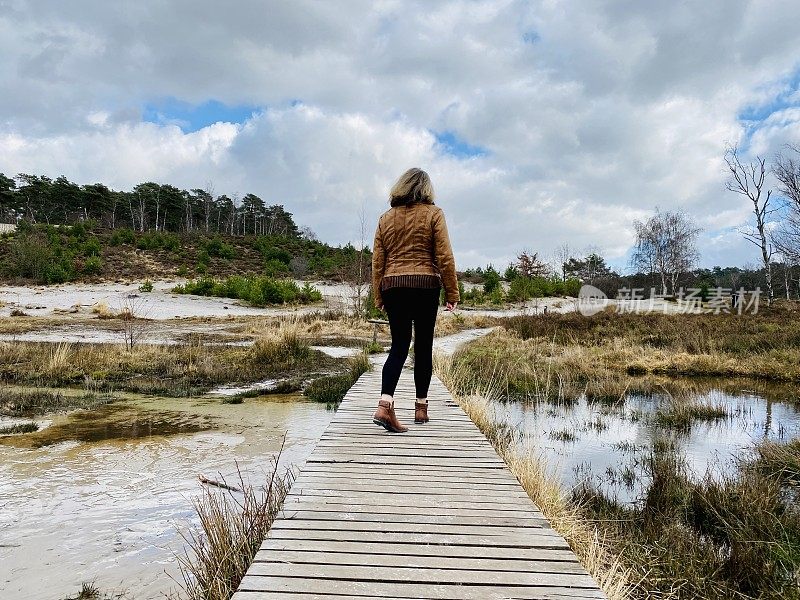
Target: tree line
x: 148, y: 206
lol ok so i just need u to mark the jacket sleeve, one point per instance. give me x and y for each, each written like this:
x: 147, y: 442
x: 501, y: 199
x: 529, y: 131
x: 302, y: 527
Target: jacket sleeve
x: 378, y: 266
x: 443, y: 255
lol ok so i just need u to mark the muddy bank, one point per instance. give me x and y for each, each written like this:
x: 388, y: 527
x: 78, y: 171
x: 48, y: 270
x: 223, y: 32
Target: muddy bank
x: 108, y: 508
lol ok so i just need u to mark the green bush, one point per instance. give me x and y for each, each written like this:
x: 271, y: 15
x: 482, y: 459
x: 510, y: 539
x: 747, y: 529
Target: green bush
x: 217, y: 248
x: 37, y: 253
x: 93, y: 266
x: 491, y: 280
x: 157, y: 240
x: 332, y: 389
x: 274, y: 267
x: 122, y: 236
x: 92, y: 247
x: 146, y: 286
x: 257, y: 290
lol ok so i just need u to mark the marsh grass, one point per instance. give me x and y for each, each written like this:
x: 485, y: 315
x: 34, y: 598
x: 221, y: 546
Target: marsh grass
x: 539, y: 369
x: 681, y: 414
x: 176, y: 370
x: 90, y: 591
x: 30, y: 403
x: 779, y: 461
x: 283, y: 346
x: 765, y: 345
x: 332, y: 389
x: 720, y: 536
x: 232, y: 526
x: 28, y: 427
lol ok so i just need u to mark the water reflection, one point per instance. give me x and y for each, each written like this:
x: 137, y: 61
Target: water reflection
x: 106, y: 510
x: 607, y: 441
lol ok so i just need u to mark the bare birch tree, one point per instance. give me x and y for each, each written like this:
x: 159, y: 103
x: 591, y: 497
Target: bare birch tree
x: 787, y: 235
x: 748, y: 180
x: 359, y: 272
x: 666, y: 244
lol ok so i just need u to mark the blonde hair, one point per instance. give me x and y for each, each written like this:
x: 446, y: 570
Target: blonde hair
x: 413, y: 186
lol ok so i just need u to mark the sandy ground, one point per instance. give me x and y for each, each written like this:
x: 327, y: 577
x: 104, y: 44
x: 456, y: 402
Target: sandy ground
x: 160, y: 304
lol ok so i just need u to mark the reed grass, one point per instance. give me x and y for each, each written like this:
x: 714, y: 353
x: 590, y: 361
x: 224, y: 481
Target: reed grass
x: 233, y: 524
x: 30, y: 403
x: 681, y: 414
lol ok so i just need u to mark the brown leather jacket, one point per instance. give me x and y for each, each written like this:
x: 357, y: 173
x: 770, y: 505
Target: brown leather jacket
x: 412, y: 239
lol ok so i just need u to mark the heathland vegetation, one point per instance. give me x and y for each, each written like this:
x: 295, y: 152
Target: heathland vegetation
x: 67, y: 232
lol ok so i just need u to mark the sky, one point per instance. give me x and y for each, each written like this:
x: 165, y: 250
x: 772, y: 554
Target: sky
x: 541, y: 123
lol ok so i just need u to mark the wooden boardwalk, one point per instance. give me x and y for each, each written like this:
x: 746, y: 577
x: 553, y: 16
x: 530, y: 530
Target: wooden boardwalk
x: 432, y: 513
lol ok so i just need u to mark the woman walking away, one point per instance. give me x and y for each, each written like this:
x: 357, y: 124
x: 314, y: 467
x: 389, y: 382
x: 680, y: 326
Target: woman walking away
x: 411, y: 260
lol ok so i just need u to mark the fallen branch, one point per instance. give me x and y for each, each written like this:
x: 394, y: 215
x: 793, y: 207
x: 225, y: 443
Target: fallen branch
x: 223, y: 485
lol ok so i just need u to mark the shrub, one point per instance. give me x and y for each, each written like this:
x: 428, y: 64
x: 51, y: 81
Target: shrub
x: 146, y: 286
x: 93, y: 266
x: 92, y: 247
x: 257, y: 290
x: 216, y: 247
x: 308, y: 293
x: 491, y: 280
x: 30, y: 256
x: 275, y: 267
x: 122, y: 236
x: 157, y: 240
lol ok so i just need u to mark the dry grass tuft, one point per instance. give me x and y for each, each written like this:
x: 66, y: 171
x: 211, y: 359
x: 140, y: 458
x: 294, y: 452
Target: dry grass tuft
x: 102, y: 310
x: 232, y: 526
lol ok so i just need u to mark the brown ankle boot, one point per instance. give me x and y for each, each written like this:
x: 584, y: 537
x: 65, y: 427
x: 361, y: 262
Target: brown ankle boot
x: 385, y: 417
x: 421, y: 412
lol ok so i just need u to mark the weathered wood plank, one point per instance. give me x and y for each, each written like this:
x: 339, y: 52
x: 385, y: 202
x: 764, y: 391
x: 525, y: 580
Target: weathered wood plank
x: 533, y: 541
x: 425, y: 550
x: 376, y: 589
x: 471, y: 563
x: 418, y: 575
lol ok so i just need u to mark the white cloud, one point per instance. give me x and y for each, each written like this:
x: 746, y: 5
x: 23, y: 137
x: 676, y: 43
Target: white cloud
x: 591, y: 115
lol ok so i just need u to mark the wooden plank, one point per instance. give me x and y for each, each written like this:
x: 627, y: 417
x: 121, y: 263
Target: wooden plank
x: 492, y: 518
x: 375, y: 536
x: 522, y: 531
x: 423, y: 576
x: 471, y: 563
x: 392, y: 500
x: 391, y: 511
x: 273, y: 548
x: 329, y: 588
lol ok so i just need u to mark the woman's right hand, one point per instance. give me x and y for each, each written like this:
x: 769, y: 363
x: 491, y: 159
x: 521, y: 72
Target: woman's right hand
x: 451, y: 306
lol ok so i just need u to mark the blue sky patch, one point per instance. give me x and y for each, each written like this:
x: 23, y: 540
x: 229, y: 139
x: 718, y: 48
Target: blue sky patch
x: 789, y: 96
x: 451, y: 144
x: 191, y: 117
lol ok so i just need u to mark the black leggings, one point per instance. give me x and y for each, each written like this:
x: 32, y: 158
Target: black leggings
x: 404, y: 305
